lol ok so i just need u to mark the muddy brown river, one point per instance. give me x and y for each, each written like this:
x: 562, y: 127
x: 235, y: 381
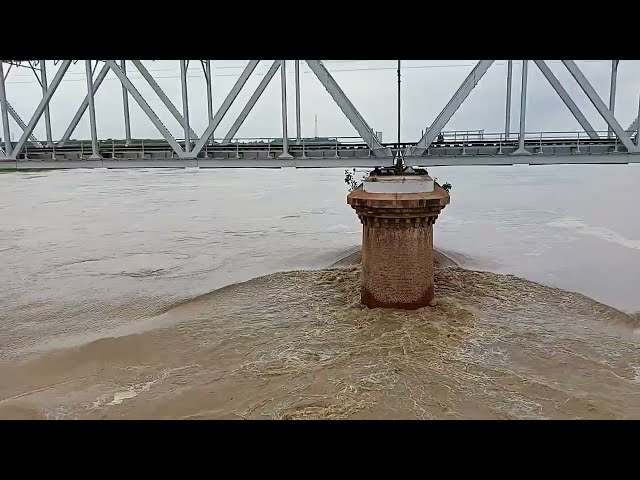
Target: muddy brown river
x: 206, y: 294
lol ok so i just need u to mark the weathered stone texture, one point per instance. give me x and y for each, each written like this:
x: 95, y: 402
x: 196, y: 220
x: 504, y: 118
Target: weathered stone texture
x: 397, y: 246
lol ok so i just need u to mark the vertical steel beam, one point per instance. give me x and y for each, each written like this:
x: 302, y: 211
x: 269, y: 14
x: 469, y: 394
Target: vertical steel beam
x: 5, y: 115
x: 83, y: 106
x: 92, y: 111
x: 612, y: 91
x: 145, y: 107
x: 252, y: 101
x: 298, y: 129
x: 125, y: 105
x: 224, y: 108
x: 523, y: 109
x: 47, y: 114
x: 283, y: 87
x: 41, y: 106
x: 447, y: 112
x: 564, y: 96
x: 507, y: 115
x: 209, y: 93
x: 597, y: 102
x: 185, y: 105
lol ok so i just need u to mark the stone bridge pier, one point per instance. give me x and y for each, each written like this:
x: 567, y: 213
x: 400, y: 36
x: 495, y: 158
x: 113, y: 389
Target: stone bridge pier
x: 397, y: 213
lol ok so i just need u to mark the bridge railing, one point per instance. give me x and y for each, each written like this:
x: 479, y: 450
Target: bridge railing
x: 463, y: 138
x: 480, y: 135
x: 146, y: 145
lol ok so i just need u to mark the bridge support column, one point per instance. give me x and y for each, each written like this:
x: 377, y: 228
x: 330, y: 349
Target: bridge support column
x: 125, y: 106
x: 47, y: 113
x: 283, y: 88
x: 397, y: 215
x: 523, y: 111
x: 95, y: 154
x: 6, y: 132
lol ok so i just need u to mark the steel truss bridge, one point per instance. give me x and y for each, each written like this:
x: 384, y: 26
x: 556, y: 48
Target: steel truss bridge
x: 435, y: 147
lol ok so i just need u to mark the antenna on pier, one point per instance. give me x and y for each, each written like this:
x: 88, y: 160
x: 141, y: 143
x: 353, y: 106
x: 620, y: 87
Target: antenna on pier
x: 399, y: 154
x: 316, y: 129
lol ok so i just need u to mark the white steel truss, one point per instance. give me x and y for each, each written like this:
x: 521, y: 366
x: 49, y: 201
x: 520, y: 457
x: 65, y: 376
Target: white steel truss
x: 452, y: 106
x: 192, y: 145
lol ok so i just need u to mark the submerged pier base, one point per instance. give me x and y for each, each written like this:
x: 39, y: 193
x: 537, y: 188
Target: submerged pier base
x: 397, y: 213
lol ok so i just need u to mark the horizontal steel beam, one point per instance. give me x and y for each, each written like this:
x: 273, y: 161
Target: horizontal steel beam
x: 466, y: 160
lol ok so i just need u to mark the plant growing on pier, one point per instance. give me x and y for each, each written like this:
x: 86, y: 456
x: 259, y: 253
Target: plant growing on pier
x: 446, y: 186
x: 350, y: 180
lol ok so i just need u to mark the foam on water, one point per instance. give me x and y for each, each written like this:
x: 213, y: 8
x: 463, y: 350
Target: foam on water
x: 583, y: 228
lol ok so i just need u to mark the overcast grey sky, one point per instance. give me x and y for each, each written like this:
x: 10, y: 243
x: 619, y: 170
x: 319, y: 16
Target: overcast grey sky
x: 370, y: 84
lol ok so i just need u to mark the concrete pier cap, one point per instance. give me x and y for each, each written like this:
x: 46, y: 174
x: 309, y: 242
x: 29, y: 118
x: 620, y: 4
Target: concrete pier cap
x: 397, y: 213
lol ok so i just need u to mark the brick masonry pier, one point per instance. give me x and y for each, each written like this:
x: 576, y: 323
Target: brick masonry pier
x: 397, y: 215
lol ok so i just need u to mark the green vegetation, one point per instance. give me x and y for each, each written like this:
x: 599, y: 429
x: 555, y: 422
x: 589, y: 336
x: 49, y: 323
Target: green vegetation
x: 446, y: 186
x: 350, y: 180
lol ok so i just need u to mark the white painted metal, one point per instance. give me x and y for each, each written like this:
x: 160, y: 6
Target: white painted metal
x: 523, y: 109
x: 125, y: 105
x: 252, y: 101
x: 163, y: 97
x: 364, y: 130
x: 209, y: 80
x: 22, y: 125
x: 47, y: 114
x: 399, y: 184
x: 298, y: 129
x: 283, y: 101
x: 92, y: 111
x: 370, y: 162
x: 506, y: 160
x: 597, y: 102
x: 454, y: 103
x: 566, y: 98
x: 145, y: 107
x: 64, y: 66
x: 612, y: 91
x: 507, y: 119
x: 228, y: 101
x: 83, y: 107
x: 185, y: 105
x: 638, y: 126
x: 6, y: 136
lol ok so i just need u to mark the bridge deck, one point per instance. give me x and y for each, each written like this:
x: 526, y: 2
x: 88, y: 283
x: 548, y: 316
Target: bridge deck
x: 158, y: 154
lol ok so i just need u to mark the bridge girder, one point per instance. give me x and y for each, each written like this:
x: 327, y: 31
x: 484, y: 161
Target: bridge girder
x: 377, y: 149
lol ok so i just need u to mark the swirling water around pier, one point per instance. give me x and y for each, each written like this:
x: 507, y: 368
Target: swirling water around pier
x: 123, y: 298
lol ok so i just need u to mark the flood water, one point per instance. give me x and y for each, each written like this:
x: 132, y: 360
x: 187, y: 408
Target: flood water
x: 106, y: 307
